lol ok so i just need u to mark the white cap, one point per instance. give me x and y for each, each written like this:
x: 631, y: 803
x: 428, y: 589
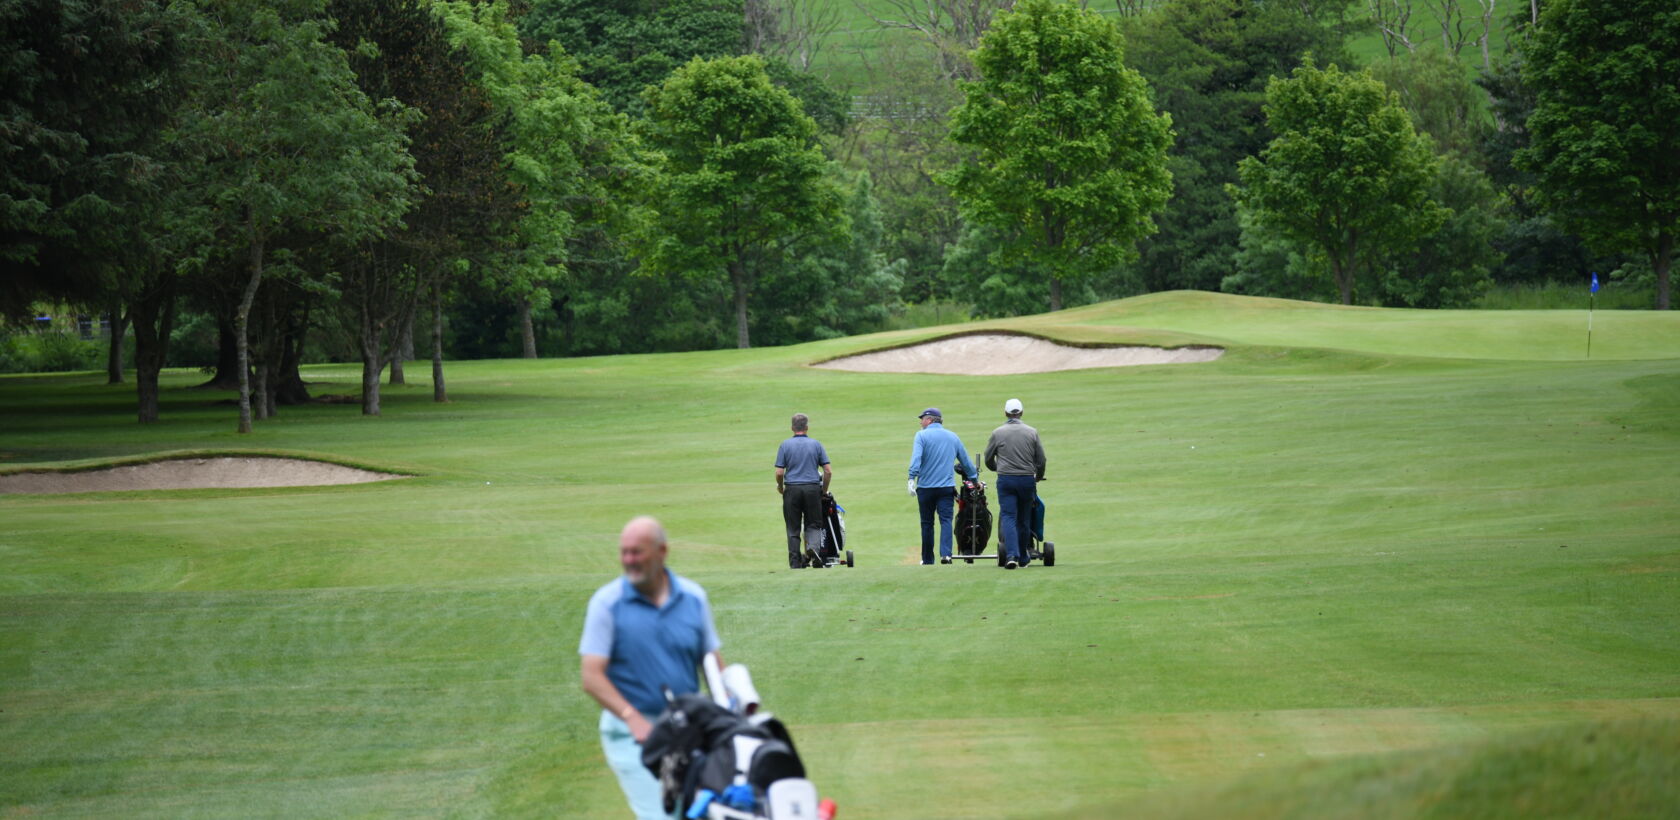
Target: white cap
x: 1012, y: 406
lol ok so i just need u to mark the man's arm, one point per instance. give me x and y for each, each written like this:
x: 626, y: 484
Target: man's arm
x: 991, y: 452
x: 601, y: 688
x: 916, y: 456
x: 828, y: 475
x: 1038, y: 456
x: 781, y: 473
x: 962, y: 459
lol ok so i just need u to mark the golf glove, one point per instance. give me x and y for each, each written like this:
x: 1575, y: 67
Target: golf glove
x: 912, y: 487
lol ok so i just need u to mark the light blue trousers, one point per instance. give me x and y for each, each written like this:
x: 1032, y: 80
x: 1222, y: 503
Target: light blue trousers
x: 624, y: 756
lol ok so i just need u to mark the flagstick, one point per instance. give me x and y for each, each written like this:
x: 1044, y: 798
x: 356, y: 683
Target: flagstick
x: 1591, y: 302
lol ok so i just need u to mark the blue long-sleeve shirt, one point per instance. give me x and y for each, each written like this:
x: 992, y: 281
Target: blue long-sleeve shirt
x: 933, y: 454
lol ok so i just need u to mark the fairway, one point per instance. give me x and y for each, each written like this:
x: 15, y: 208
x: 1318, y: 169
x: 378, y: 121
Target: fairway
x: 1359, y: 537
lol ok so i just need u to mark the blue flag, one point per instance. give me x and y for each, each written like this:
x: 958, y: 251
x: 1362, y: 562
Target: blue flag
x: 1595, y: 282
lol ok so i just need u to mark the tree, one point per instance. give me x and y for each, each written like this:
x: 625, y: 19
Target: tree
x: 1438, y: 92
x: 1605, y: 132
x: 1346, y: 178
x: 742, y: 178
x: 568, y: 153
x: 466, y: 206
x: 289, y: 144
x: 625, y: 46
x: 1069, y: 157
x: 1208, y: 62
x: 89, y: 86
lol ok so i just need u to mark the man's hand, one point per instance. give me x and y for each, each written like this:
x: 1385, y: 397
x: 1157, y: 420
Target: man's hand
x: 912, y: 486
x: 781, y: 490
x: 639, y: 726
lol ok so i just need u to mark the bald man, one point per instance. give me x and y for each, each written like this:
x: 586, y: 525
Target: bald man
x: 645, y: 630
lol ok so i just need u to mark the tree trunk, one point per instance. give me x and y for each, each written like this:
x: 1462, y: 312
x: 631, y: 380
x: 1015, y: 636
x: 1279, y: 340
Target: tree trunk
x: 154, y: 317
x: 371, y: 362
x: 1055, y: 294
x: 738, y: 278
x: 1344, y: 280
x: 439, y: 393
x: 227, y: 356
x: 241, y: 324
x: 527, y: 334
x: 114, y: 360
x: 1663, y: 262
x: 370, y: 377
x: 405, y: 351
x: 259, y: 391
x: 288, y: 385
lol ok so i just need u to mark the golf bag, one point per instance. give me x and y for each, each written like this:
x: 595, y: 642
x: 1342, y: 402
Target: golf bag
x: 697, y: 747
x: 834, y: 531
x: 974, y: 518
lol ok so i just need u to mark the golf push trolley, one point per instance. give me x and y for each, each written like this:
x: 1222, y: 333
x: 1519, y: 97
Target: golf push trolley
x: 833, y: 551
x: 973, y: 525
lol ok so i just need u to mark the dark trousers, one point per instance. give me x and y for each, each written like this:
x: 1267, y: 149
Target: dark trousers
x: 802, y: 512
x: 1016, y: 494
x: 933, y: 500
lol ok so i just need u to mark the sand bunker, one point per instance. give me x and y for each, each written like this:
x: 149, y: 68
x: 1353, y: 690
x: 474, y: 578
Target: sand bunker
x: 190, y: 474
x: 997, y: 354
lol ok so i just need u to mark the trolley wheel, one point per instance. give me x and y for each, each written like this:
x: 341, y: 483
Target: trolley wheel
x: 1049, y: 553
x: 849, y: 559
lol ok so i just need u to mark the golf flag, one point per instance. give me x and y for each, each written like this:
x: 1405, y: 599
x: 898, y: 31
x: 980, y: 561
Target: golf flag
x: 1595, y: 282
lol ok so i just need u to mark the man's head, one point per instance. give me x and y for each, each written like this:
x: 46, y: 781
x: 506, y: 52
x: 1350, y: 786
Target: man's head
x: 931, y: 416
x: 801, y: 422
x: 642, y: 550
x: 1012, y: 408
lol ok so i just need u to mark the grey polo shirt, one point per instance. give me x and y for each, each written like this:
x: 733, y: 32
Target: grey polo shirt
x: 802, y: 457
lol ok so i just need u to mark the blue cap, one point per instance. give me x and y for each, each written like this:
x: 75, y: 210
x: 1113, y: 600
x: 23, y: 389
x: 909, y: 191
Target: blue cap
x: 931, y: 411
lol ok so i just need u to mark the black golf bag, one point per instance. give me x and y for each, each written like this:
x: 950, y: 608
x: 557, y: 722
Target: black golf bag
x: 698, y: 745
x: 974, y: 518
x: 834, y: 532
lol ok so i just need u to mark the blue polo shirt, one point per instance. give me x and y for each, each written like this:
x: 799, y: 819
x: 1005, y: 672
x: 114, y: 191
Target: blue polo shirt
x: 647, y: 647
x: 801, y: 456
x: 933, y: 455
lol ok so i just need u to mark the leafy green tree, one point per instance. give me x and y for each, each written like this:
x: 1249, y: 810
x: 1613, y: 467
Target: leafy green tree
x: 625, y: 46
x: 1444, y: 102
x: 287, y: 143
x: 1346, y: 178
x: 838, y: 285
x: 1605, y: 132
x: 1068, y: 154
x: 742, y: 181
x: 83, y: 97
x: 466, y: 205
x: 572, y: 157
x: 1452, y: 266
x: 89, y: 85
x: 1534, y: 247
x: 1208, y: 62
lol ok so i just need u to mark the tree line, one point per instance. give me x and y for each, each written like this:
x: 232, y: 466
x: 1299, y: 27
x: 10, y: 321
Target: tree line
x: 592, y: 177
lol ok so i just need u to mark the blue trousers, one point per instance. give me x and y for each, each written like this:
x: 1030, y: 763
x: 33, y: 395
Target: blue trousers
x: 1016, y: 494
x: 933, y: 500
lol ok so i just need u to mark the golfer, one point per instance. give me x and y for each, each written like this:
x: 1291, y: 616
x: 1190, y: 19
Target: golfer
x: 933, y: 455
x: 646, y: 630
x: 1017, y: 456
x: 798, y: 462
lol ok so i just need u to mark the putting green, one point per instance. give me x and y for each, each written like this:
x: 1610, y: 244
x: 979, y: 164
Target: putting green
x: 1303, y: 553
